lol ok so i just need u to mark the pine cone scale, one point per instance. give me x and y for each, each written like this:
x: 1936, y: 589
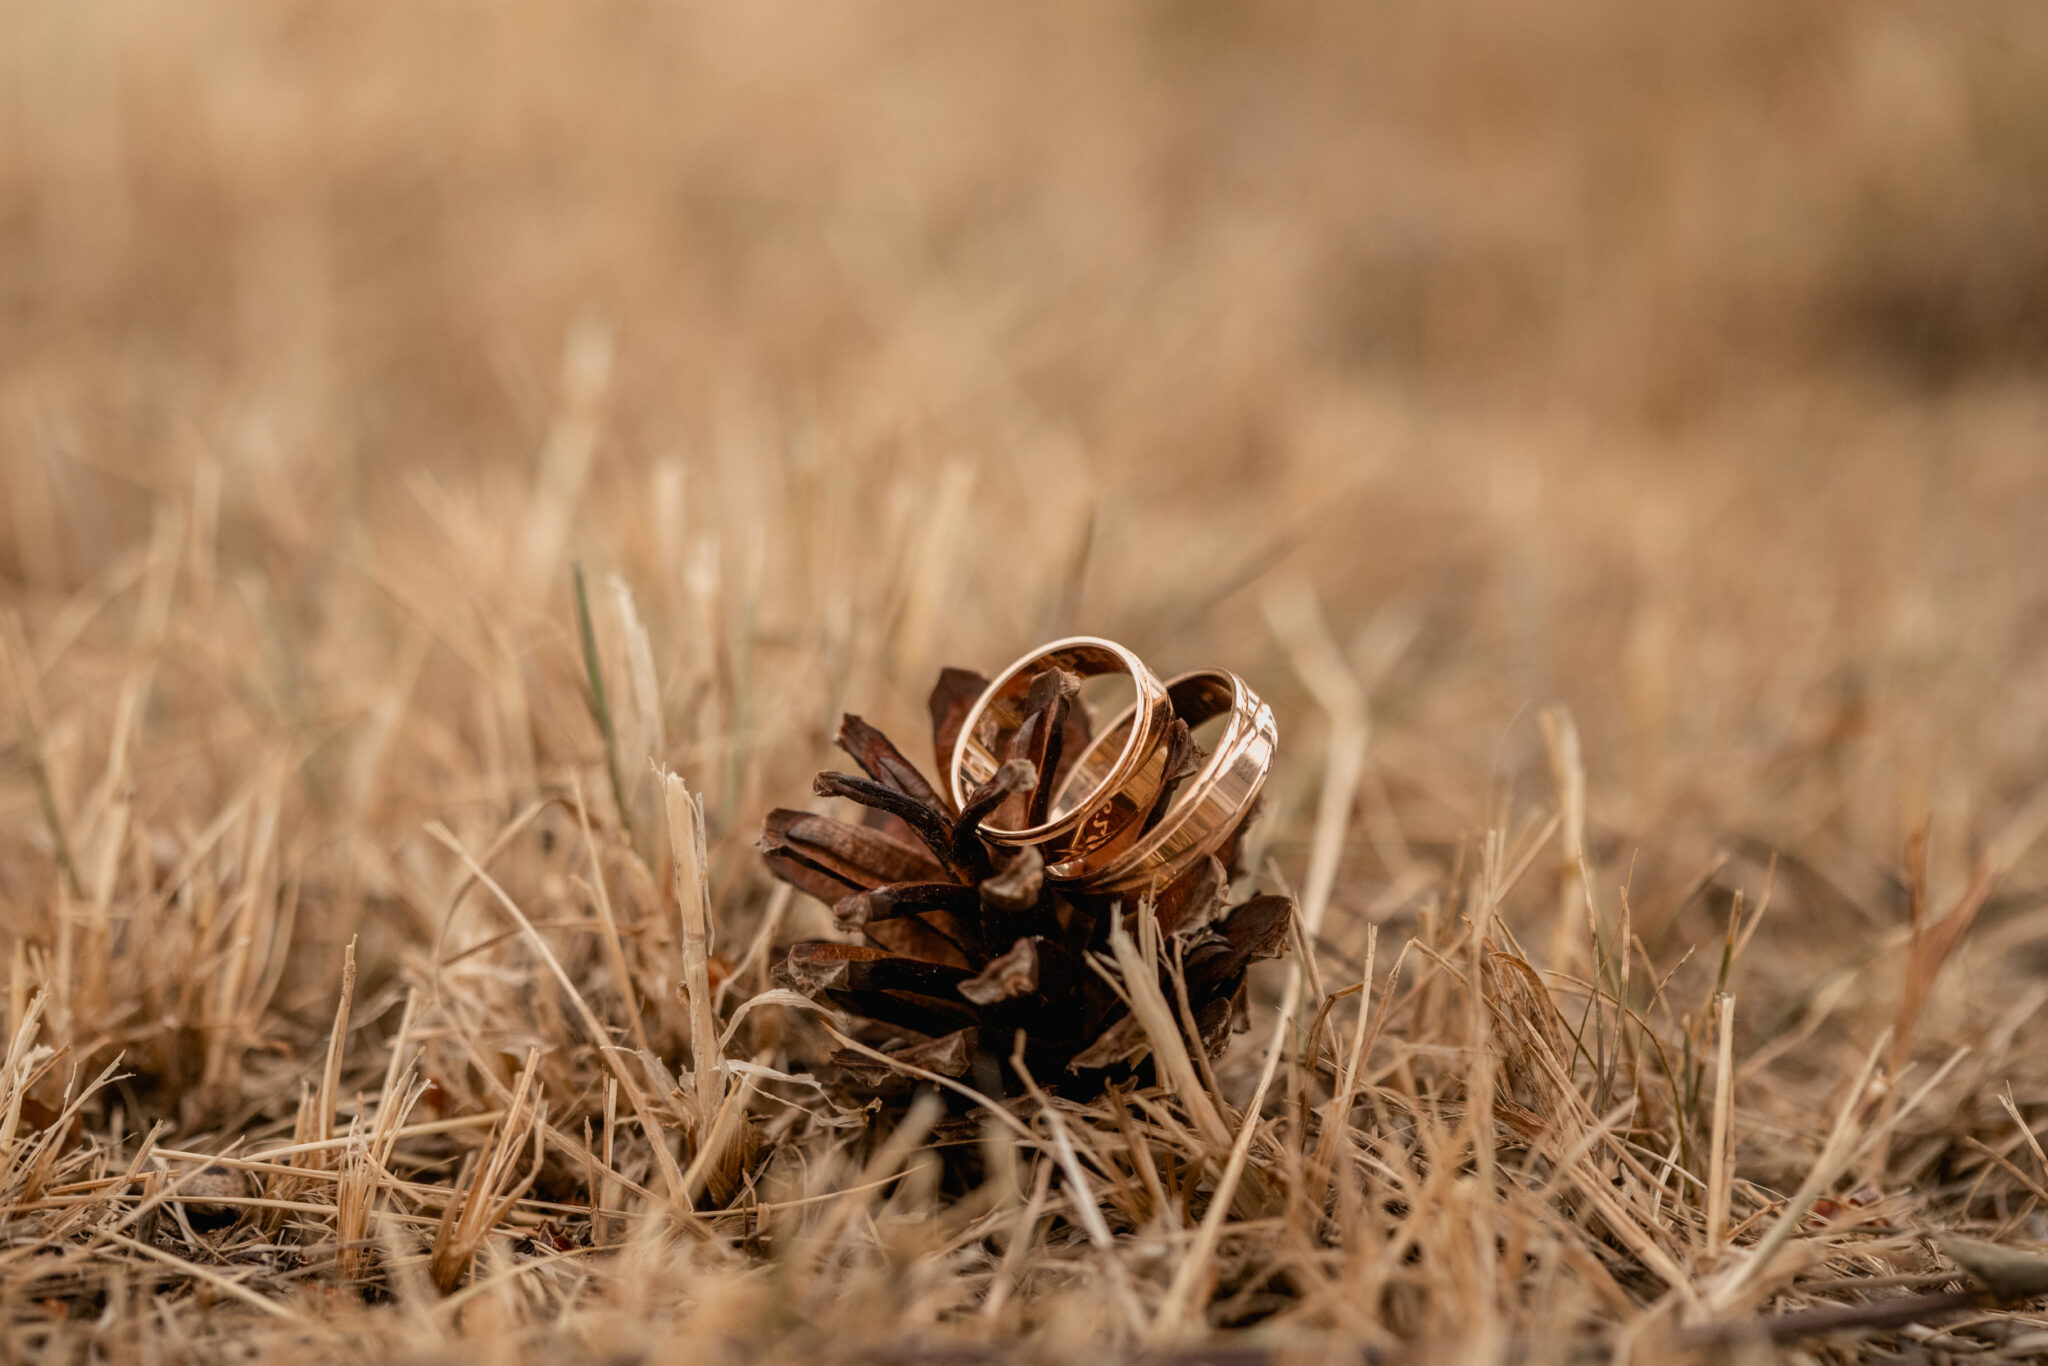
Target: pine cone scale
x: 856, y: 854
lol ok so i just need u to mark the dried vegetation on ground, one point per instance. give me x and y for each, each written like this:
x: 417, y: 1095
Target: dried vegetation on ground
x: 1612, y: 439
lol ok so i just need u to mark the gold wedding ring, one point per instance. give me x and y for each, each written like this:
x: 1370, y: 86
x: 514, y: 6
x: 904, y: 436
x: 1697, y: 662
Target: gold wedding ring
x: 1206, y: 809
x: 1096, y: 831
x: 1087, y: 823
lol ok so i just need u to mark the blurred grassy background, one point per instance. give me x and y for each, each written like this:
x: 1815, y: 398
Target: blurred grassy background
x: 1681, y: 364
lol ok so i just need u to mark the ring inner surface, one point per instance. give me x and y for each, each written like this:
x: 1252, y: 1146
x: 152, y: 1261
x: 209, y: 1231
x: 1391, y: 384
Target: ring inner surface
x: 1196, y: 698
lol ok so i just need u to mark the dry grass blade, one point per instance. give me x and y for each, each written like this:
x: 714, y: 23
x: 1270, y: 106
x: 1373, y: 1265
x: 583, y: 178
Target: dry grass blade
x: 693, y: 894
x: 1720, y: 1154
x: 466, y: 1222
x: 1175, y: 1317
x: 593, y: 1029
x: 1297, y: 619
x: 1138, y: 969
x: 330, y: 1075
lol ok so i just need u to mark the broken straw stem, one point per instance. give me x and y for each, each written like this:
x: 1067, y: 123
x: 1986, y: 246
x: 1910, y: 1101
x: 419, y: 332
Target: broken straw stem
x: 693, y: 908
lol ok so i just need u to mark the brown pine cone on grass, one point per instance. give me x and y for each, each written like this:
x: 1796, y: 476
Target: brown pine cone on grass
x: 967, y: 943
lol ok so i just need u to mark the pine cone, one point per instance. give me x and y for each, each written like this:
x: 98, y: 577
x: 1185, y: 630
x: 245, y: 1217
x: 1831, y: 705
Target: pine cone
x: 967, y: 943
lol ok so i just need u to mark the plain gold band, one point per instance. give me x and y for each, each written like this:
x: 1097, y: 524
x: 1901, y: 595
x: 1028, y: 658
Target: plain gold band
x: 1092, y: 824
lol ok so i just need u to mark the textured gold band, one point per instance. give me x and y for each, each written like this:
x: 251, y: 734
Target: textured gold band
x: 1210, y: 805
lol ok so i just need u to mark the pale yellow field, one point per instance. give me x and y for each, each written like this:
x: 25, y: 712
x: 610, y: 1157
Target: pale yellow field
x: 1614, y: 437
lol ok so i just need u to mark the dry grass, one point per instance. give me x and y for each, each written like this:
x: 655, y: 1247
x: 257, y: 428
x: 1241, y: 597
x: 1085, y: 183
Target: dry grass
x: 1612, y: 438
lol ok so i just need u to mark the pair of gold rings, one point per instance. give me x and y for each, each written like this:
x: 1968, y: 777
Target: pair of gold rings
x: 1103, y: 829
